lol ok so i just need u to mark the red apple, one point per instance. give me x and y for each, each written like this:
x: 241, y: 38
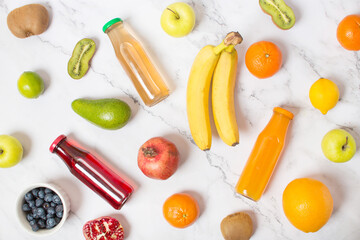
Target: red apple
x: 158, y: 158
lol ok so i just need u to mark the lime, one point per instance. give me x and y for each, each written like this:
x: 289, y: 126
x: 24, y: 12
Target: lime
x: 324, y: 94
x: 30, y: 85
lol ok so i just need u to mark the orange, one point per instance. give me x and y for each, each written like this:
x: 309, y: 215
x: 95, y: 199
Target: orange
x: 307, y: 204
x: 348, y: 32
x: 181, y: 210
x: 263, y: 59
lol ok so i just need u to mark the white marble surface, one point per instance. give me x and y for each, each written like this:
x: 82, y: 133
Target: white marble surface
x: 310, y: 51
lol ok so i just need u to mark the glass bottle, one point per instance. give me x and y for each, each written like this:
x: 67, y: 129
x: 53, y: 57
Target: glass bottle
x: 94, y: 173
x: 136, y: 62
x: 264, y: 156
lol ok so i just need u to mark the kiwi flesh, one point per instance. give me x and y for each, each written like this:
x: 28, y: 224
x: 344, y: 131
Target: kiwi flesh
x: 281, y: 14
x: 237, y: 226
x: 78, y: 64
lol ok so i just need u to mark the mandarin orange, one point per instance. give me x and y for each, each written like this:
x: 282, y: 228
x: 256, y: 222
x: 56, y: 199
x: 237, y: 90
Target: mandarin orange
x: 181, y: 210
x: 348, y: 32
x: 263, y: 59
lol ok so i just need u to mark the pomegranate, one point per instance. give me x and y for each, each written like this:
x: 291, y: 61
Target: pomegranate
x: 158, y: 158
x: 103, y: 228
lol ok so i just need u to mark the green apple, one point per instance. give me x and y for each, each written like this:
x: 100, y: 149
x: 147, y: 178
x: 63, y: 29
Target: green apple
x: 30, y: 85
x: 11, y: 151
x: 178, y: 19
x: 338, y: 146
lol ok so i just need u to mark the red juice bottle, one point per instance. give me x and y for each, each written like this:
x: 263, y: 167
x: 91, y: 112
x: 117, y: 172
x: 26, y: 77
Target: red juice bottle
x: 94, y: 173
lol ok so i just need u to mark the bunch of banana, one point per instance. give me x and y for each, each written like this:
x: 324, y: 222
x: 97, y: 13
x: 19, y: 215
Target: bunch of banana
x: 220, y: 64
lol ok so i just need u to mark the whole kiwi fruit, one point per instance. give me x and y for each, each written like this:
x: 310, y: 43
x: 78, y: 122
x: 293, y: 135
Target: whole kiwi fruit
x: 237, y: 226
x: 28, y: 20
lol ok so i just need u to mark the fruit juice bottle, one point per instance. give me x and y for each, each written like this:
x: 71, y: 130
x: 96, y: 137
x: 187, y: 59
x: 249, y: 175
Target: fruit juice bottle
x: 94, y: 173
x: 136, y: 62
x: 264, y: 155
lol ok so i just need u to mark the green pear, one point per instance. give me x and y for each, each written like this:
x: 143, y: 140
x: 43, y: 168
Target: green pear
x: 107, y: 113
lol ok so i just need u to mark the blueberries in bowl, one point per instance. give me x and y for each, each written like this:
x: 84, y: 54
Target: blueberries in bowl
x: 43, y: 208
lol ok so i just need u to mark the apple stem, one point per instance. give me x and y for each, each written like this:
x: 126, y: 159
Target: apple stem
x: 149, y: 152
x: 176, y: 14
x: 1, y: 151
x: 346, y: 143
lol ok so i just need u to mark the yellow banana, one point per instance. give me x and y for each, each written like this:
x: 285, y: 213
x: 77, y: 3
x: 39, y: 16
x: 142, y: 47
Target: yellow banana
x: 197, y: 97
x: 198, y: 90
x: 223, y: 96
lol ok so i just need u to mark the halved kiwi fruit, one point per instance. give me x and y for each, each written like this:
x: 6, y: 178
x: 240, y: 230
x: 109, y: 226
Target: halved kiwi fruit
x: 281, y: 14
x: 79, y: 62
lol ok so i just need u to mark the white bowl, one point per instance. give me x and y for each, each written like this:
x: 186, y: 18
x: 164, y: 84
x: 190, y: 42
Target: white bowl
x: 22, y: 216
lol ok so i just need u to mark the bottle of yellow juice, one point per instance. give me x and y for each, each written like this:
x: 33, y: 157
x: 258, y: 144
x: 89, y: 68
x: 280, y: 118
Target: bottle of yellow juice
x: 136, y: 62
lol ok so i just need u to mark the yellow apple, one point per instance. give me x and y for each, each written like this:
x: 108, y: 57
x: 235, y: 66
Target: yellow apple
x: 338, y: 146
x: 11, y: 151
x: 178, y: 19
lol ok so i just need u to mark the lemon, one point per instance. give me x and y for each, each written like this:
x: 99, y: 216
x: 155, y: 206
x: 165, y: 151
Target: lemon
x: 324, y: 94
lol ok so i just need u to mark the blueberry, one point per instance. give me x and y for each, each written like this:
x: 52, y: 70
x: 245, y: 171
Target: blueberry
x: 29, y: 217
x: 59, y: 208
x: 35, y: 192
x: 53, y: 204
x: 43, y: 217
x: 40, y: 212
x: 59, y: 214
x: 28, y: 196
x: 35, y: 227
x: 32, y: 222
x: 48, y: 197
x: 51, y: 210
x: 41, y: 223
x: 34, y: 212
x: 41, y: 194
x: 46, y: 205
x: 50, y: 222
x: 47, y: 190
x: 39, y: 202
x: 31, y: 203
x: 56, y: 199
x: 57, y: 220
x: 26, y: 207
x: 50, y: 215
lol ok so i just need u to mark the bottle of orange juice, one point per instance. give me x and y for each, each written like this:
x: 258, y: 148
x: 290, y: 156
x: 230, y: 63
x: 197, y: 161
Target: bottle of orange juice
x: 264, y: 156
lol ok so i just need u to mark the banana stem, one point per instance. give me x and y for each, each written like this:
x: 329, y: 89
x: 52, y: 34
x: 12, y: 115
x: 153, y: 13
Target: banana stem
x: 219, y: 48
x: 231, y: 39
x: 230, y: 48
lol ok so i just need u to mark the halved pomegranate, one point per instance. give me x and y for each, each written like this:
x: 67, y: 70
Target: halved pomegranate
x: 103, y: 228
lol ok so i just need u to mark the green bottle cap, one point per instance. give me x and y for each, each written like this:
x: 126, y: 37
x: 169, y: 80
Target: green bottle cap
x: 110, y: 23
